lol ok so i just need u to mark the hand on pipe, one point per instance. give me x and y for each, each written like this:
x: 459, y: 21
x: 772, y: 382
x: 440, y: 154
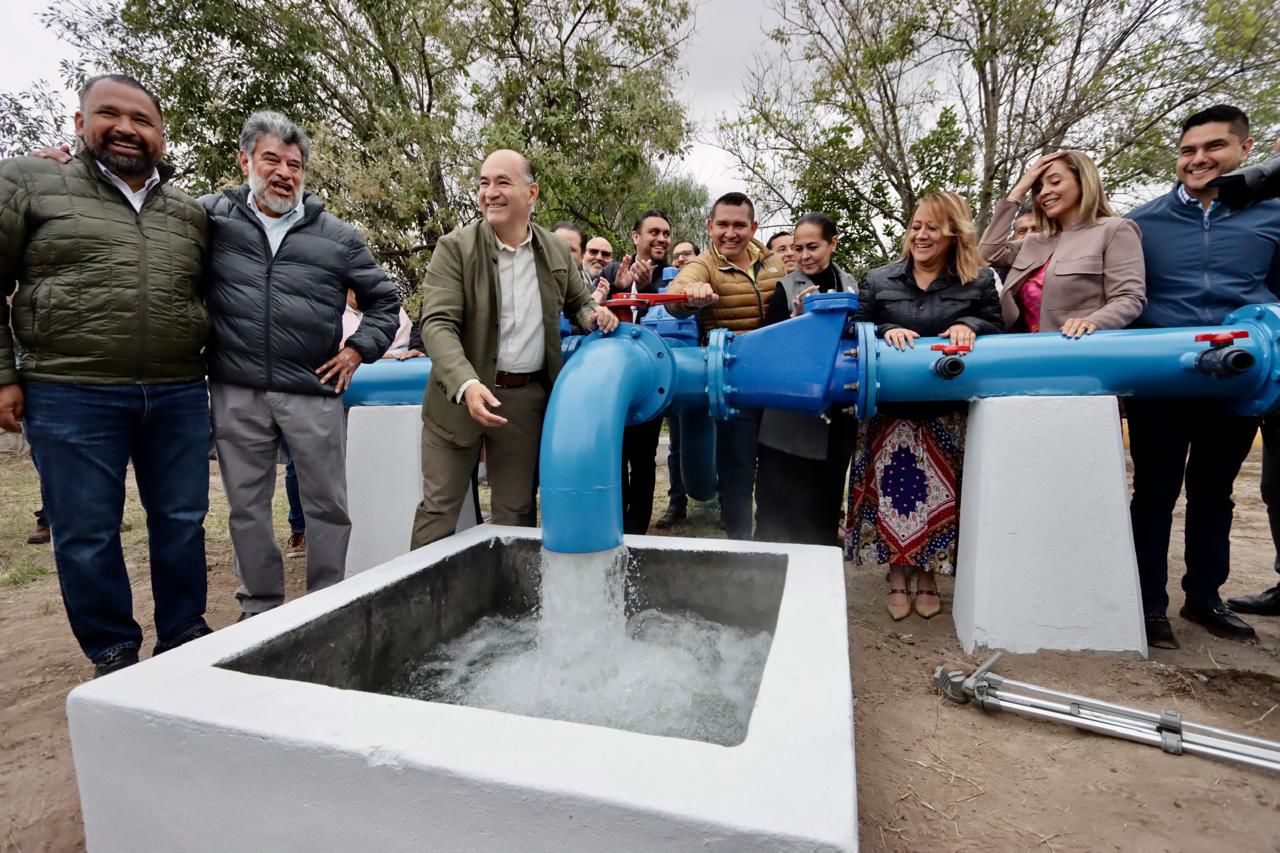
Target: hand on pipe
x: 797, y: 304
x: 901, y: 338
x: 1077, y: 326
x: 480, y: 401
x: 960, y: 335
x: 603, y: 319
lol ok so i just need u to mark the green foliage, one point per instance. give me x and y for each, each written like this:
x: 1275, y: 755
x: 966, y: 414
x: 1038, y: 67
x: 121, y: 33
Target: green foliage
x: 403, y: 97
x: 887, y: 100
x: 29, y: 120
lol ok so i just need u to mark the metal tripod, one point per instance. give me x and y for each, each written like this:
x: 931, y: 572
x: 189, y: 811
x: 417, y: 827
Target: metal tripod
x: 1166, y: 729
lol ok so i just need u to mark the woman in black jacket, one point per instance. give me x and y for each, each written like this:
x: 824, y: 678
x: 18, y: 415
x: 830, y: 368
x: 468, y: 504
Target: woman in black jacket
x: 904, y: 487
x: 801, y: 460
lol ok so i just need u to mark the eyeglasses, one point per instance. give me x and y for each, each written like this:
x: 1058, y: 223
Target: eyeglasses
x: 602, y: 253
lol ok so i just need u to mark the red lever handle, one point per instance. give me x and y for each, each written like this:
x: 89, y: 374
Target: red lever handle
x: 952, y: 349
x: 632, y: 300
x: 1219, y: 339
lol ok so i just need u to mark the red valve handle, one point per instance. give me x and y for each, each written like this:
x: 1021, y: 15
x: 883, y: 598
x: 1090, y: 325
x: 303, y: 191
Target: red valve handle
x: 952, y: 349
x: 632, y: 300
x: 1220, y: 339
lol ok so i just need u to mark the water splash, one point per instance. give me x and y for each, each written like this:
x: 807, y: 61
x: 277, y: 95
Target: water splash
x: 580, y: 659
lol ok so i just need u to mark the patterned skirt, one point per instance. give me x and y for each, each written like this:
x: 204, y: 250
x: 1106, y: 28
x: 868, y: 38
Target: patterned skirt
x: 904, y: 493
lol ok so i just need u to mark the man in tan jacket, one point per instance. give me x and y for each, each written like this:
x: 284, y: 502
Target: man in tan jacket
x: 490, y: 316
x: 729, y: 286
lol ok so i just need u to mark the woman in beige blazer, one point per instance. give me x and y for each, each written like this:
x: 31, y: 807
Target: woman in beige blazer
x: 1083, y: 271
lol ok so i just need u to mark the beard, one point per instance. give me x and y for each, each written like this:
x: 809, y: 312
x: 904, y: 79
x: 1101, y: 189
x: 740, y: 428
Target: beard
x: 274, y: 203
x: 124, y: 165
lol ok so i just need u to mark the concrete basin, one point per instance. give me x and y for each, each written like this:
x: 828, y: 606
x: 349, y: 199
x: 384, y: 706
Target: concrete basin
x: 276, y: 733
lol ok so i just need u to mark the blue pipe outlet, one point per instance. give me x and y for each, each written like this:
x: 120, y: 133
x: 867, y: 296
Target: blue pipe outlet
x: 611, y: 382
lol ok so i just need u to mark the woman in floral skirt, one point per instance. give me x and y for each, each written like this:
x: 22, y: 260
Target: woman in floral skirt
x: 904, y: 485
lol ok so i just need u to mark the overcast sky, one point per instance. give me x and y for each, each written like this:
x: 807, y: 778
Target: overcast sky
x: 728, y: 32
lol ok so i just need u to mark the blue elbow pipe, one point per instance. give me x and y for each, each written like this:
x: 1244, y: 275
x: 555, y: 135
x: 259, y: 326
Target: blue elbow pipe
x: 611, y: 382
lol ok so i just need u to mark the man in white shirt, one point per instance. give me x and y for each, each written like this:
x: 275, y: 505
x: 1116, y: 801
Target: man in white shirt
x: 489, y: 290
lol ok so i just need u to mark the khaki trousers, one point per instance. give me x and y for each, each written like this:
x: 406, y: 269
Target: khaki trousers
x: 511, y: 461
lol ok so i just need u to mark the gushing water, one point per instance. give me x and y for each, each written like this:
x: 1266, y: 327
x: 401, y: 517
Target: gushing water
x: 580, y: 659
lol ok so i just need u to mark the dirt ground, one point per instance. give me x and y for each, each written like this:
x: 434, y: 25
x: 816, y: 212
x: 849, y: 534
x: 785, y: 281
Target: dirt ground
x: 931, y: 775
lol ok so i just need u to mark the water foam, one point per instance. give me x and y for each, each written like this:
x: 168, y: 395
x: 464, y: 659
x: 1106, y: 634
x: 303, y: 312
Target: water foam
x: 580, y: 659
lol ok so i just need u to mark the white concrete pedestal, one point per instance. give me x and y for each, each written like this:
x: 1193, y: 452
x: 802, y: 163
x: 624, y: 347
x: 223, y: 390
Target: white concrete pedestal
x: 384, y: 483
x: 1046, y: 556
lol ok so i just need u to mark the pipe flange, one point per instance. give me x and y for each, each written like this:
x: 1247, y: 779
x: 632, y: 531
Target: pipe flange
x: 719, y: 346
x: 868, y: 366
x: 662, y: 367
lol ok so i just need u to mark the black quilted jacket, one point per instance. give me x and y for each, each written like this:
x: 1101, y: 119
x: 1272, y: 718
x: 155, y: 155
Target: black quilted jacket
x: 276, y: 319
x: 104, y: 295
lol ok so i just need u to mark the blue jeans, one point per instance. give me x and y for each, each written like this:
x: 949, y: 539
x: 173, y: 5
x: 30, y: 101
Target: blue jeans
x: 83, y: 437
x: 297, y: 521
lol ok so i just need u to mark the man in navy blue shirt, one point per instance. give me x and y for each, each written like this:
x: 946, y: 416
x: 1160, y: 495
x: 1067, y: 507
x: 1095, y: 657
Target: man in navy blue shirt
x: 1267, y: 602
x: 1202, y: 262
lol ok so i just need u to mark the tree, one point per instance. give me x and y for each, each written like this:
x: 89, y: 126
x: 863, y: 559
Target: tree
x: 29, y: 119
x: 873, y: 103
x: 404, y: 96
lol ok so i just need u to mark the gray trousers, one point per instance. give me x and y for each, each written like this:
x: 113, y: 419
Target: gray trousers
x: 247, y: 427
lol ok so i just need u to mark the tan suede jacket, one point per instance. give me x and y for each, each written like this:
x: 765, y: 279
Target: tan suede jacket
x: 742, y: 303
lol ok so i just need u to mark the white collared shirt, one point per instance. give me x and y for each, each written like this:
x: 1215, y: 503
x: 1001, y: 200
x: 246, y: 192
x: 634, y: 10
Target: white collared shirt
x: 276, y: 226
x: 136, y: 198
x: 521, y: 337
x: 521, y: 344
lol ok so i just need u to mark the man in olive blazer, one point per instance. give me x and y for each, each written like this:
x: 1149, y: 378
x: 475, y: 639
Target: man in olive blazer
x: 490, y: 316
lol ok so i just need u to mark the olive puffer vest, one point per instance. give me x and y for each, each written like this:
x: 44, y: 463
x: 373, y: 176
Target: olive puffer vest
x: 105, y: 295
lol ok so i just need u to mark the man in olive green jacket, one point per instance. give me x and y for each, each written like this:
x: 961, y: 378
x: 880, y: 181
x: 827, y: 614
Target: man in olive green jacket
x: 491, y: 321
x: 107, y: 259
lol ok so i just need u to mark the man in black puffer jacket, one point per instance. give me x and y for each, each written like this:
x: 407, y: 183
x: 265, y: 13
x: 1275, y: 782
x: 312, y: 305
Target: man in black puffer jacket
x: 278, y: 272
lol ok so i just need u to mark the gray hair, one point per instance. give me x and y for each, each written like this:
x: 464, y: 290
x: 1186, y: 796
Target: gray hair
x: 268, y: 123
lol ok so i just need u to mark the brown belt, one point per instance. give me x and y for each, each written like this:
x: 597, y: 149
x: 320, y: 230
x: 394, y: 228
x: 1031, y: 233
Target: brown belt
x: 513, y: 380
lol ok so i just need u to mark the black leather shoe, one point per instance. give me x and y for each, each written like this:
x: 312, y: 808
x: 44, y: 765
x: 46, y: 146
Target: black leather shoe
x: 1219, y: 621
x: 670, y: 518
x: 1160, y: 632
x: 113, y: 661
x: 1263, y: 604
x: 194, y: 634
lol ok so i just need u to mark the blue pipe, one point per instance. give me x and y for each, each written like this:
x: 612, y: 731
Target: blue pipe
x: 627, y: 377
x: 388, y: 382
x: 823, y: 359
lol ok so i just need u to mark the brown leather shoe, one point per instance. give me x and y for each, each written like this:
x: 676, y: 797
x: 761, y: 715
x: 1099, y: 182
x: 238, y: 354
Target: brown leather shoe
x: 296, y: 546
x: 41, y: 536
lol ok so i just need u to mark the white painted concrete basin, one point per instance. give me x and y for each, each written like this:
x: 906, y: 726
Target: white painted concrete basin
x: 267, y: 736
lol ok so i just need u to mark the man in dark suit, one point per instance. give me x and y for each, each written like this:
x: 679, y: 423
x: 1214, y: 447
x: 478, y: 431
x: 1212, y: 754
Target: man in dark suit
x: 490, y: 314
